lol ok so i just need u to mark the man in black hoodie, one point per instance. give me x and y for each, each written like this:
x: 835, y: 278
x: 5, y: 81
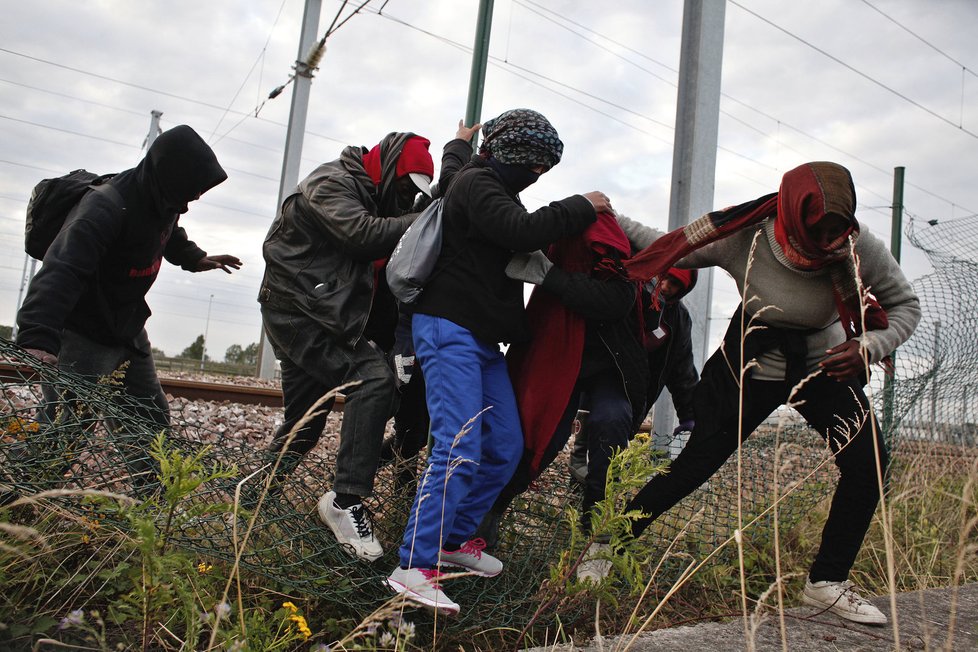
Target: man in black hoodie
x: 85, y: 310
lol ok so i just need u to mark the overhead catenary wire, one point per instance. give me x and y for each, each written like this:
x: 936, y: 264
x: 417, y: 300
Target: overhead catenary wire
x: 261, y: 55
x: 855, y: 70
x: 465, y: 48
x: 512, y: 68
x: 306, y: 66
x: 724, y: 95
x: 919, y: 37
x: 787, y: 125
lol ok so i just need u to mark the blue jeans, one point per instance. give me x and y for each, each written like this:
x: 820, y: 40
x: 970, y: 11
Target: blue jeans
x: 466, y: 379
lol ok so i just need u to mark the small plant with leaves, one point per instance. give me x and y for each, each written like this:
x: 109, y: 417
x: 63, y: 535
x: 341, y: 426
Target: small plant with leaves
x: 629, y: 470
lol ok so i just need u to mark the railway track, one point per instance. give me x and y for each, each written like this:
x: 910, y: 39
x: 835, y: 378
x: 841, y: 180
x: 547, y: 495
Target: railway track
x: 194, y: 390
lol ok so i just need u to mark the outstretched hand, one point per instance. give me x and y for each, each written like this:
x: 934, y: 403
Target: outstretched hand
x: 43, y: 356
x: 222, y: 261
x: 844, y: 361
x: 467, y: 133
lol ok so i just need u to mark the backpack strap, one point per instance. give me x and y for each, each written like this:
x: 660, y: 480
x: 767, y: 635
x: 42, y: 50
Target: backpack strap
x: 109, y: 191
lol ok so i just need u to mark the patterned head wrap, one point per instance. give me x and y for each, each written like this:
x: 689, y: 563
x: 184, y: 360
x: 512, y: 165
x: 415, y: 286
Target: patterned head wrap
x: 521, y: 137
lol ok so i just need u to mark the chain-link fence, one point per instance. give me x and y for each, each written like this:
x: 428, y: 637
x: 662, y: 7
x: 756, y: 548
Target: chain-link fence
x: 98, y: 438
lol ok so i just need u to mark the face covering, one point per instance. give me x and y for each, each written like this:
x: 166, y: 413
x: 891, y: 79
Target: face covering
x: 516, y: 178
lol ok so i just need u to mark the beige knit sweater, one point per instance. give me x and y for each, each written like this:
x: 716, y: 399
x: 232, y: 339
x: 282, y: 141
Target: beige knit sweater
x: 789, y: 297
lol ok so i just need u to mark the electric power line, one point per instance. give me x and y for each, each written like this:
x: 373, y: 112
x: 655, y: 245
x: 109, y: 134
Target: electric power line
x: 856, y: 70
x: 919, y: 37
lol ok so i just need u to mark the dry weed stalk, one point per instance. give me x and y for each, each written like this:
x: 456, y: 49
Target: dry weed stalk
x: 450, y: 466
x: 966, y: 545
x: 239, y: 547
x: 864, y: 295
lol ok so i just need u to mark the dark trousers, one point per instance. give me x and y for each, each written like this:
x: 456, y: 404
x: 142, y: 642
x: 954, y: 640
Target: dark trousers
x: 825, y: 405
x: 145, y: 398
x: 85, y: 357
x: 314, y: 363
x: 609, y: 427
x: 411, y: 424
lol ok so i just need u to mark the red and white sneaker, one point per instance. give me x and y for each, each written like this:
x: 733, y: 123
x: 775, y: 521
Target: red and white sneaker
x: 421, y: 585
x: 472, y: 557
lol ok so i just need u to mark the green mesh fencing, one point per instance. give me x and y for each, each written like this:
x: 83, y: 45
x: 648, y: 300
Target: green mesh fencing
x: 99, y: 439
x: 936, y: 398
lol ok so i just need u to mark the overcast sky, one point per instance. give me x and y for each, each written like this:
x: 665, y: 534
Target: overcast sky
x: 870, y: 84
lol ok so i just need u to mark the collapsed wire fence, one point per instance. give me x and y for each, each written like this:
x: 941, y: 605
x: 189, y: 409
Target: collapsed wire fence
x: 96, y: 437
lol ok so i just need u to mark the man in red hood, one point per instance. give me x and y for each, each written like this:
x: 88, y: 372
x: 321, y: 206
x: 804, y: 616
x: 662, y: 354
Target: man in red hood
x: 329, y: 315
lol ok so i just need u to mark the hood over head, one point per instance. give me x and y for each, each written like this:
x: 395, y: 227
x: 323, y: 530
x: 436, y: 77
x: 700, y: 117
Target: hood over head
x: 384, y: 166
x: 686, y: 277
x: 178, y: 168
x: 808, y: 193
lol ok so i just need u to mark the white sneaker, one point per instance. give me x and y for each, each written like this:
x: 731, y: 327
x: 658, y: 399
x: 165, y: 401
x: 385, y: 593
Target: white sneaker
x: 351, y: 526
x: 841, y: 599
x: 471, y: 557
x: 421, y: 585
x: 594, y: 569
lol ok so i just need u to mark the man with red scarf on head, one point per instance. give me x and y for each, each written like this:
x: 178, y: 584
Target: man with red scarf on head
x: 806, y: 335
x: 329, y: 315
x: 585, y: 353
x: 667, y: 326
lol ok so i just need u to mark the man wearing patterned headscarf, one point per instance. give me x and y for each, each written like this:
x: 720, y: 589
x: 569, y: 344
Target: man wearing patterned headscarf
x: 805, y: 336
x: 328, y: 313
x: 468, y: 307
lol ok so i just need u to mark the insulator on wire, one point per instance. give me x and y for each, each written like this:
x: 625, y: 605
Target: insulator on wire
x: 315, y: 55
x: 276, y: 92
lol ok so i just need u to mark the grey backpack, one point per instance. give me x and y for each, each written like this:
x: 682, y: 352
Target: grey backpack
x: 413, y: 260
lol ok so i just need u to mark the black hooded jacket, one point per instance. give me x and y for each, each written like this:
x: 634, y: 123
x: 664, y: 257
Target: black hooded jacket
x: 97, y: 271
x: 484, y: 223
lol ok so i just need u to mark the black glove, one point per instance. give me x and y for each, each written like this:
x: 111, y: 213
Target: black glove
x: 530, y: 268
x: 686, y: 425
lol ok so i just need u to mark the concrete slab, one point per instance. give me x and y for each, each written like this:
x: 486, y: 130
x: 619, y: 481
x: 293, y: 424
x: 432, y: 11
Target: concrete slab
x: 924, y: 620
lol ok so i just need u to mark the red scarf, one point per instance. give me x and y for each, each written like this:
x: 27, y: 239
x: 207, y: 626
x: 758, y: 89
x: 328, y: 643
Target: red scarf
x: 544, y: 370
x: 808, y: 193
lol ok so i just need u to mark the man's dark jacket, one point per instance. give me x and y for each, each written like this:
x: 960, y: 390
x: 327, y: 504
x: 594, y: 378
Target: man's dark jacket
x: 97, y: 271
x: 610, y: 340
x: 321, y: 249
x: 671, y: 365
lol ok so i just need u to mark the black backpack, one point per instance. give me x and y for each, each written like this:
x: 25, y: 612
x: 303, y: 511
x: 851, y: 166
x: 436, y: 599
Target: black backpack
x: 52, y: 200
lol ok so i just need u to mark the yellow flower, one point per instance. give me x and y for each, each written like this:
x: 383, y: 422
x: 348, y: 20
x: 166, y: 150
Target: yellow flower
x: 85, y: 539
x: 291, y: 607
x: 19, y: 428
x: 302, y: 626
x: 204, y: 567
